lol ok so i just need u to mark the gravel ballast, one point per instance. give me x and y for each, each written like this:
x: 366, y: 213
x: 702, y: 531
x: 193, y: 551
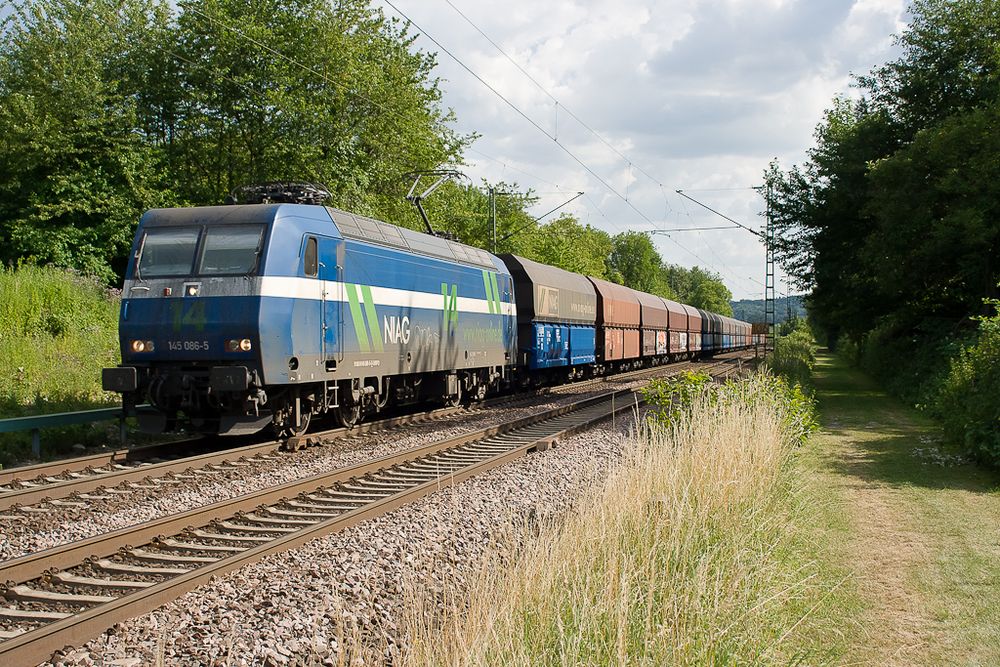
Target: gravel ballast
x: 33, y: 531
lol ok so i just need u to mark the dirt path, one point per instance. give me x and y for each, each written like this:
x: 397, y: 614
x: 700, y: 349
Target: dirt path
x: 921, y: 537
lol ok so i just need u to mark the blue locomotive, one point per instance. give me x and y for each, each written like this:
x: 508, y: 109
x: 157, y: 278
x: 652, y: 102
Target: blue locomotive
x: 238, y: 317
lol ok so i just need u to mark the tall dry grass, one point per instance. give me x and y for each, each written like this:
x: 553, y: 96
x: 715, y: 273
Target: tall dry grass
x: 680, y: 558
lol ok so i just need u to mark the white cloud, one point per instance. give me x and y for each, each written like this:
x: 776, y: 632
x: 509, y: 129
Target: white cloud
x: 699, y: 94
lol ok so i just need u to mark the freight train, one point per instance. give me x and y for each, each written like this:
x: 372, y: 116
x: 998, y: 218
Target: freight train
x: 239, y: 317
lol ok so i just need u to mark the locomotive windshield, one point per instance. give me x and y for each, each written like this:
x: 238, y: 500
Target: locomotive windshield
x: 230, y: 249
x: 174, y: 251
x: 167, y: 251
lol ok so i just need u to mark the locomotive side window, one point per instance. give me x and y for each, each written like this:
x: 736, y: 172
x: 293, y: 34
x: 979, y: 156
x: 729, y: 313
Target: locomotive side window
x: 231, y: 249
x: 167, y: 251
x: 311, y: 263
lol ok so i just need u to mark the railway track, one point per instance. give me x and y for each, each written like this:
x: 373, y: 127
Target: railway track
x: 68, y: 594
x: 76, y: 482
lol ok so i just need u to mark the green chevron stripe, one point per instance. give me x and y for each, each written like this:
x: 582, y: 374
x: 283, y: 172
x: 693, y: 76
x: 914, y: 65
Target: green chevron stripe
x: 496, y: 292
x: 366, y: 291
x: 359, y: 323
x: 489, y: 291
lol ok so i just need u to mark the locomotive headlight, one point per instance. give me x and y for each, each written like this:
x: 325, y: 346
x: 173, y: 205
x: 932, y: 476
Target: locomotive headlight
x: 142, y: 346
x: 239, y: 345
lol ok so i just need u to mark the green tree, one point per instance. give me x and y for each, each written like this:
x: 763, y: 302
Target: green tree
x: 949, y: 64
x: 566, y: 243
x: 463, y: 210
x: 696, y: 287
x: 676, y: 281
x: 821, y: 219
x: 892, y: 218
x: 709, y: 292
x: 303, y: 90
x: 74, y: 172
x: 936, y: 205
x: 636, y: 262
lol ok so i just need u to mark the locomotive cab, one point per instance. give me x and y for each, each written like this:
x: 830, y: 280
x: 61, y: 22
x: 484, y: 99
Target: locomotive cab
x: 195, y: 321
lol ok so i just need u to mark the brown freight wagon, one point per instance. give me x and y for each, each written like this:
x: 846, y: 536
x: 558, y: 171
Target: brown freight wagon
x: 694, y: 329
x: 654, y: 324
x: 678, y: 326
x: 617, y: 322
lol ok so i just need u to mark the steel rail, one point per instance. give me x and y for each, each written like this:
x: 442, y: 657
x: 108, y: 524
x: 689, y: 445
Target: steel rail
x: 50, y: 468
x: 34, y: 565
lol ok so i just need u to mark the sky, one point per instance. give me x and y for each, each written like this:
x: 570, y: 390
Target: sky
x: 692, y: 95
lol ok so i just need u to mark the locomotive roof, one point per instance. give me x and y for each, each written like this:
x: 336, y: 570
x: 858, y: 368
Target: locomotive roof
x: 215, y: 215
x: 351, y: 225
x: 370, y: 230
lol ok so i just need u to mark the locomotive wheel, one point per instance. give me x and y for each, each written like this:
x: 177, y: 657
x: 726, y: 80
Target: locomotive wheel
x: 303, y: 424
x: 348, y: 415
x: 479, y: 395
x: 288, y: 430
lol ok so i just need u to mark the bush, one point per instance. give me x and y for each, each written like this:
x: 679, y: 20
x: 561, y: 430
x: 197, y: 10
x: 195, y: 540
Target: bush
x: 848, y: 349
x: 671, y: 398
x: 674, y: 399
x: 968, y: 403
x: 794, y: 356
x: 57, y: 330
x: 911, y: 360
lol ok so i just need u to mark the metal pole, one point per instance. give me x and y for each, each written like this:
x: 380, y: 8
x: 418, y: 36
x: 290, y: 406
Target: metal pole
x: 769, y: 317
x: 493, y: 216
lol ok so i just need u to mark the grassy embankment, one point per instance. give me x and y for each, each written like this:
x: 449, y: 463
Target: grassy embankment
x: 57, y: 330
x: 918, y: 526
x: 703, y: 547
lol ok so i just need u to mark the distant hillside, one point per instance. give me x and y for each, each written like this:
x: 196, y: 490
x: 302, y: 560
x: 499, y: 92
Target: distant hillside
x: 752, y: 310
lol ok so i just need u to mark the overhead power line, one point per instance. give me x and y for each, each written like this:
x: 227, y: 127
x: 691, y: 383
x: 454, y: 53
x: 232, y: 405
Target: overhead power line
x: 559, y: 105
x: 521, y: 113
x: 545, y: 132
x: 554, y: 137
x: 689, y: 229
x: 721, y: 215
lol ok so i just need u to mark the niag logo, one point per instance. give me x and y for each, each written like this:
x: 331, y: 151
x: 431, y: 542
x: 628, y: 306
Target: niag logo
x: 397, y: 330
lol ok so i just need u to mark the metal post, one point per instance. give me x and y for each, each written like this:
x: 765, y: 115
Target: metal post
x: 36, y: 443
x: 493, y: 216
x: 769, y: 317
